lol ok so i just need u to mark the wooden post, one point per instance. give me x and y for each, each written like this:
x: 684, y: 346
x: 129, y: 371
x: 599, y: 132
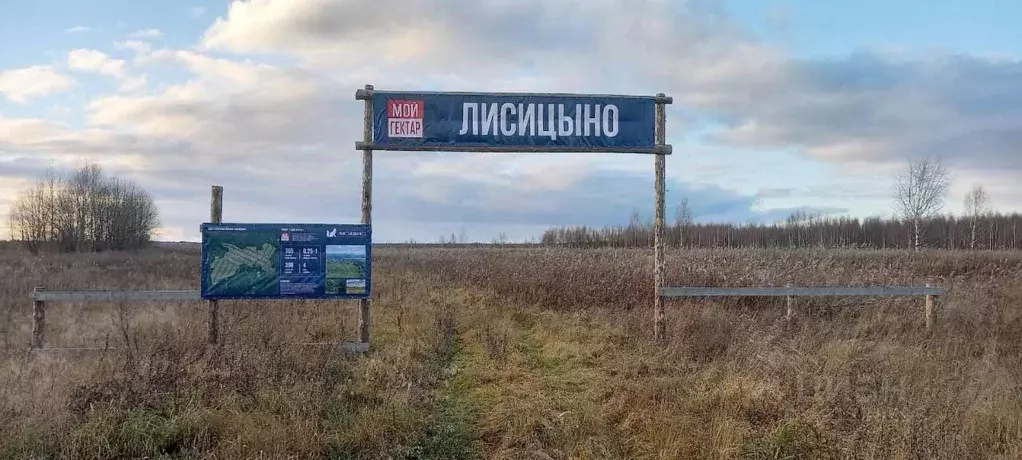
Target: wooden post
x: 791, y: 305
x: 216, y: 208
x: 38, y: 320
x: 364, y: 310
x: 659, y: 323
x: 929, y: 309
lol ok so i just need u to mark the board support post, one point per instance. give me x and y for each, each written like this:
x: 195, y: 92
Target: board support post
x: 790, y: 301
x: 659, y: 321
x: 38, y: 320
x: 216, y: 214
x: 364, y: 307
x: 928, y: 309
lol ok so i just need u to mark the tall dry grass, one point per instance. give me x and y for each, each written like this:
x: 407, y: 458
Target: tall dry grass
x: 525, y: 353
x: 848, y: 378
x: 154, y: 389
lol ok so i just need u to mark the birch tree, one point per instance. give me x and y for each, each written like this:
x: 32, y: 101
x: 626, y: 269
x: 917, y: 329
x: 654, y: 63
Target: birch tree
x: 682, y: 220
x: 919, y: 193
x: 977, y: 205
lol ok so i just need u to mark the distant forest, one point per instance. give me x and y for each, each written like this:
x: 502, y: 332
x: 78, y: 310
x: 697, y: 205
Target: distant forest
x: 991, y: 231
x: 919, y: 195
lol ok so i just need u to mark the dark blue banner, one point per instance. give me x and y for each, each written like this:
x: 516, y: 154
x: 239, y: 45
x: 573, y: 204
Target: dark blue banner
x: 294, y: 261
x: 463, y: 121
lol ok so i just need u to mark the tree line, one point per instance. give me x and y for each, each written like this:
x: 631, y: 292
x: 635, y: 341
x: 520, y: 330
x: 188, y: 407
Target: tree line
x: 84, y: 211
x: 991, y: 231
x: 919, y: 195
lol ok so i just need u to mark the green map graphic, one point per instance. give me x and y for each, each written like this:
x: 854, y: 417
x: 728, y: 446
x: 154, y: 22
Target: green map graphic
x: 243, y: 263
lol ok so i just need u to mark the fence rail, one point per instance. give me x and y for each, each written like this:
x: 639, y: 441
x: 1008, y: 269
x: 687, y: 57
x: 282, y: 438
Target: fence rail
x: 60, y: 296
x: 928, y: 293
x: 345, y: 346
x: 40, y: 296
x: 697, y: 291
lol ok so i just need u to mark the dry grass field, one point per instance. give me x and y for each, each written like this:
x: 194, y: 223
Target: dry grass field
x: 523, y: 354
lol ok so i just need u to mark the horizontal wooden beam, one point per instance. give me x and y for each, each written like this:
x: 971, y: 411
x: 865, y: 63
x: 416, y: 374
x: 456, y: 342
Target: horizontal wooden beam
x: 347, y: 347
x: 654, y: 150
x: 367, y: 93
x: 693, y: 291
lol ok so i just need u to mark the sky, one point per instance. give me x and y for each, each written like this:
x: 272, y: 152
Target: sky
x: 346, y: 249
x: 778, y: 105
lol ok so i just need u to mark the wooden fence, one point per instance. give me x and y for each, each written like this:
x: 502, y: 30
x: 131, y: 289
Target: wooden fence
x: 40, y: 296
x: 928, y: 293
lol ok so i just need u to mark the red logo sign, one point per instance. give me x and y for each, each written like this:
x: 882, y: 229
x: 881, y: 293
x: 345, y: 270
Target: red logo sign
x: 404, y: 118
x: 404, y: 109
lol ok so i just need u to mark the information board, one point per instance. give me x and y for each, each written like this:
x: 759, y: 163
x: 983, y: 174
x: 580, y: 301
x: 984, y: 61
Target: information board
x: 258, y: 261
x: 510, y: 121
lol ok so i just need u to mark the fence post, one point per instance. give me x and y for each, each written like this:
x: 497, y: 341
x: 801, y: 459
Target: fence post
x: 364, y: 305
x: 929, y: 309
x: 38, y: 319
x: 216, y: 208
x: 659, y: 323
x: 791, y: 304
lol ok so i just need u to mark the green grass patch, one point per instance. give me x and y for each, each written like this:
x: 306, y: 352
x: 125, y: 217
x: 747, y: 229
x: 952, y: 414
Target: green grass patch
x: 537, y: 396
x: 788, y: 441
x: 343, y: 269
x: 450, y: 433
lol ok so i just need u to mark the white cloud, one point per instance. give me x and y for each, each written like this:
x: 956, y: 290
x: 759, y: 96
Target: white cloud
x: 130, y: 84
x: 146, y: 33
x: 230, y: 104
x: 95, y: 61
x: 609, y: 46
x: 1001, y: 186
x: 139, y: 47
x: 235, y: 73
x: 25, y: 131
x: 59, y: 111
x: 99, y: 62
x: 77, y: 29
x: 868, y: 106
x: 387, y: 37
x: 20, y: 85
x: 51, y: 142
x: 882, y: 109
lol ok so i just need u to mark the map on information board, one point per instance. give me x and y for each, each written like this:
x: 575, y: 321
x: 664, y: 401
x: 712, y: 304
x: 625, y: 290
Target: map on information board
x: 242, y: 261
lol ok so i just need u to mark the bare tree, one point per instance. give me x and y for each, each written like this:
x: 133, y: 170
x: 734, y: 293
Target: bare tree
x: 920, y: 191
x: 85, y: 212
x: 500, y: 239
x: 683, y: 213
x: 682, y: 220
x: 634, y: 227
x: 977, y: 205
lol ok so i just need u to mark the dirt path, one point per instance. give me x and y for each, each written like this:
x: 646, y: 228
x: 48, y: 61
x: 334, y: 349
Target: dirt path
x: 536, y: 382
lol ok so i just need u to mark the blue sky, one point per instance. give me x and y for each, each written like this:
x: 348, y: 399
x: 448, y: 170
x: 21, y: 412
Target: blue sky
x: 350, y: 250
x: 779, y: 105
x: 810, y: 28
